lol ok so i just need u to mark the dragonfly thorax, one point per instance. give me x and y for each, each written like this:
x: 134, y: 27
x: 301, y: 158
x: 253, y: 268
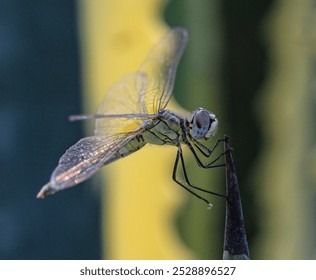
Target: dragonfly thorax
x: 203, y: 124
x: 165, y: 129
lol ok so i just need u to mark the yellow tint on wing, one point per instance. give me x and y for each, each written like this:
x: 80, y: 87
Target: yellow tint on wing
x: 121, y: 98
x: 159, y: 70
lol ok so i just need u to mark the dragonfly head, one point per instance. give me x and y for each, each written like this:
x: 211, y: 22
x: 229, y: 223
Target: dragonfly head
x: 203, y: 124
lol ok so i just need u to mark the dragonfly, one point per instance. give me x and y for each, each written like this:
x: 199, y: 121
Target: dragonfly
x: 134, y: 114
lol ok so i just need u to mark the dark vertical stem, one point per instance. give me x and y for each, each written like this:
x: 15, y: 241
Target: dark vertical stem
x: 235, y: 240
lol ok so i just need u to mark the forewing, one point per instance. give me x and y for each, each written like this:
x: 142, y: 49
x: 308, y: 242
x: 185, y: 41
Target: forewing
x: 82, y: 160
x: 122, y: 98
x: 160, y: 69
x: 146, y: 91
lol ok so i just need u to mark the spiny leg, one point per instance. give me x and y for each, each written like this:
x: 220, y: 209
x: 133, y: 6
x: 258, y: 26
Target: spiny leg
x: 187, y: 178
x: 198, y: 160
x: 174, y: 177
x: 180, y: 156
x: 203, y: 149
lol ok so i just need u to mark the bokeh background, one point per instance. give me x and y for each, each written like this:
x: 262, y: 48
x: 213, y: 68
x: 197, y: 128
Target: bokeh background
x: 250, y: 62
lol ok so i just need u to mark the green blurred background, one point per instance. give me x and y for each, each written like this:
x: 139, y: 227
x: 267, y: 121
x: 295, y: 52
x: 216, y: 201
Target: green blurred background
x: 250, y: 62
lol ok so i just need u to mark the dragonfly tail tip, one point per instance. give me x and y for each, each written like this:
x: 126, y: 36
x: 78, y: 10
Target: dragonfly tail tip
x: 45, y: 191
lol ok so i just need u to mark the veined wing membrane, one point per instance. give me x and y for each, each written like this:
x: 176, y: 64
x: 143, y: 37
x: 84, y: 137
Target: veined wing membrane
x: 121, y: 99
x: 160, y: 69
x: 145, y: 92
x: 82, y: 160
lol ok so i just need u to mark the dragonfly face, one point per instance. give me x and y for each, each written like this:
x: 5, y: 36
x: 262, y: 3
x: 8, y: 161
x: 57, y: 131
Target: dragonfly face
x: 133, y: 114
x: 203, y: 124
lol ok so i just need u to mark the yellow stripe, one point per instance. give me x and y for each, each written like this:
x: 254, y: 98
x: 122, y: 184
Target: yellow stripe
x: 140, y: 199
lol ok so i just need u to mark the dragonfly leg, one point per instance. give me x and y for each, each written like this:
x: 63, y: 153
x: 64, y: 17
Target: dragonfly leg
x: 199, y: 161
x: 203, y: 149
x: 174, y: 177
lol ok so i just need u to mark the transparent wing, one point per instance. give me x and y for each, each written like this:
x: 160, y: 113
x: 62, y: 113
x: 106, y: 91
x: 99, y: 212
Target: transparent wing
x: 144, y: 92
x: 122, y: 98
x: 160, y: 69
x: 82, y: 160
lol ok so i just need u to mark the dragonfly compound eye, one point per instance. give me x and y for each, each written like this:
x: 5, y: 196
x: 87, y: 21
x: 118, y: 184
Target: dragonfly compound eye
x: 203, y: 124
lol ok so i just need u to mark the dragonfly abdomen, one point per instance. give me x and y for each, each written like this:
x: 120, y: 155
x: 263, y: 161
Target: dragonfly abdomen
x: 130, y: 147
